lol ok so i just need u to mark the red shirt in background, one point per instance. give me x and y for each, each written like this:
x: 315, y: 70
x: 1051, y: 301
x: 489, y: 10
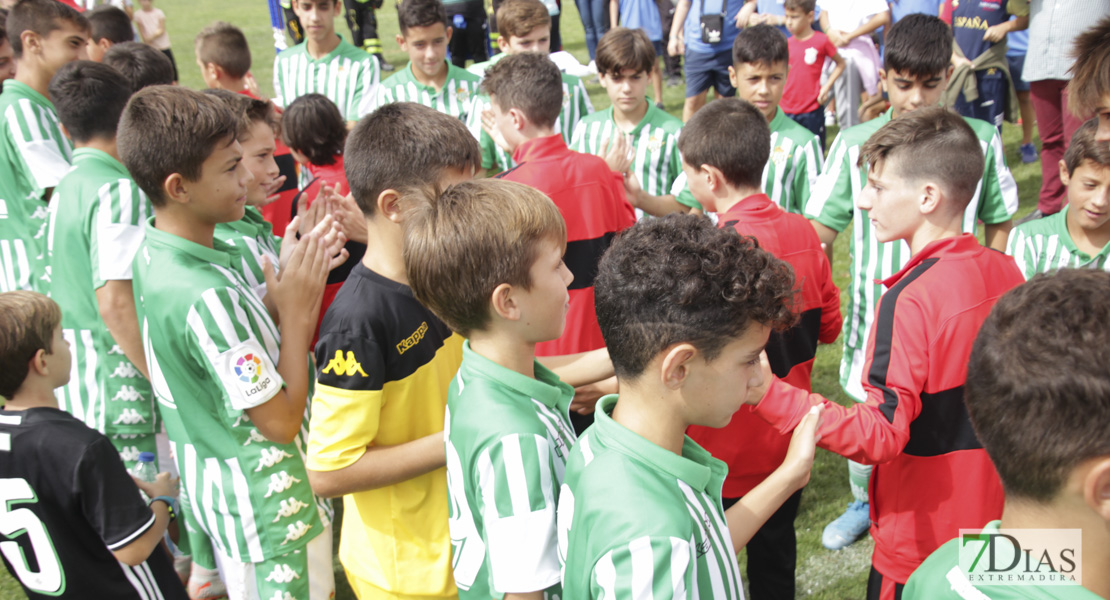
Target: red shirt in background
x: 803, y: 82
x: 750, y: 446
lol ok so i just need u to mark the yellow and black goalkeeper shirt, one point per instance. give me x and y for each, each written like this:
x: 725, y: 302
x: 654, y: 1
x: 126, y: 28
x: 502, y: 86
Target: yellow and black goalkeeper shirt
x: 384, y: 363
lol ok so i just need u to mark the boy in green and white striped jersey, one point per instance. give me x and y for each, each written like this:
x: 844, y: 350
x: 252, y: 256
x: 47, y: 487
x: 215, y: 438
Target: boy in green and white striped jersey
x: 96, y: 225
x: 524, y: 26
x: 1078, y: 235
x: 429, y: 78
x: 760, y: 60
x: 507, y: 427
x: 686, y: 310
x: 325, y: 63
x: 915, y: 73
x: 34, y: 153
x: 232, y: 386
x: 625, y: 60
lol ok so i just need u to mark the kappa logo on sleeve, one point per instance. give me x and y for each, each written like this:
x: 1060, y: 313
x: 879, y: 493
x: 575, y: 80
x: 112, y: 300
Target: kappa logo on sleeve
x: 344, y: 366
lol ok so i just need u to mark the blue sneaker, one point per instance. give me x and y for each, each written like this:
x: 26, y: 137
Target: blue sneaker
x: 848, y: 527
x: 1028, y: 153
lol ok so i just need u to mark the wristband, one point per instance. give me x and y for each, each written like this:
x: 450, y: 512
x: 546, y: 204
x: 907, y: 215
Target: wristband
x: 171, y: 504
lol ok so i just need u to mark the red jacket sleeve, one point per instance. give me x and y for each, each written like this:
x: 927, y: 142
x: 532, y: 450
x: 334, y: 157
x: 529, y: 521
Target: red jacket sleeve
x: 877, y: 430
x: 831, y: 319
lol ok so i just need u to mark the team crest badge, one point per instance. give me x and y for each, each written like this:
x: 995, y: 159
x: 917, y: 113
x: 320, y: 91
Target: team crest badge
x: 654, y: 143
x: 778, y: 157
x: 810, y: 56
x: 462, y: 94
x: 248, y: 368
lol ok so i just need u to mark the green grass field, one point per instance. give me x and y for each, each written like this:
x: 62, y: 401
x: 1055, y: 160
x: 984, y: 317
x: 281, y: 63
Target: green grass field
x: 821, y: 574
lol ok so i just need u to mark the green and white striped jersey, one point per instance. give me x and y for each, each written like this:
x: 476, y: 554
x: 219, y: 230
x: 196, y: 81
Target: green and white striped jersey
x: 212, y: 350
x: 657, y: 162
x: 639, y: 521
x: 1045, y: 245
x: 347, y: 75
x: 97, y: 217
x: 832, y: 204
x: 796, y: 160
x: 576, y: 105
x: 455, y: 99
x: 507, y: 439
x: 34, y: 155
x: 255, y: 238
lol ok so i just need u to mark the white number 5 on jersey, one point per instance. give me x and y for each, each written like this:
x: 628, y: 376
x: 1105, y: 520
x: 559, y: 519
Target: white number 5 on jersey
x: 49, y: 579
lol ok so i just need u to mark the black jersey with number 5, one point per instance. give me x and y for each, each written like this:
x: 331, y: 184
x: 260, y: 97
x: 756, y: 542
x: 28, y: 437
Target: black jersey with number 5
x: 66, y: 502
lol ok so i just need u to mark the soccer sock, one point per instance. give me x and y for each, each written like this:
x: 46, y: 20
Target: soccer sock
x: 858, y: 476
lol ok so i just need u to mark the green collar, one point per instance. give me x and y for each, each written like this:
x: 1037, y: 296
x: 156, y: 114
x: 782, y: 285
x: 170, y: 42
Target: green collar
x: 99, y: 156
x: 546, y: 387
x: 695, y: 466
x: 219, y: 254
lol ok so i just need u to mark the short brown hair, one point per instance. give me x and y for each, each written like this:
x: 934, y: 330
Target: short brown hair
x: 528, y: 82
x: 731, y: 135
x: 169, y: 129
x: 41, y: 17
x: 518, y: 18
x: 1090, y: 81
x: 1038, y: 390
x: 421, y: 13
x: 107, y: 21
x: 1084, y: 146
x: 225, y: 46
x: 930, y: 143
x: 403, y: 145
x: 142, y: 64
x: 806, y: 6
x: 623, y: 48
x: 461, y: 244
x: 678, y: 279
x: 27, y: 324
x: 313, y: 126
x: 247, y: 110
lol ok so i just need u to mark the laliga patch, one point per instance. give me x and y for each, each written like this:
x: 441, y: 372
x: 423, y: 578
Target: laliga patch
x: 249, y: 376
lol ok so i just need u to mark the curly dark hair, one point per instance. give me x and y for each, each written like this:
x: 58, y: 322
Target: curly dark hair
x: 681, y: 279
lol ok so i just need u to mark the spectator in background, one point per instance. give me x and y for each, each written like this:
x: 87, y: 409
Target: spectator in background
x: 1053, y: 27
x: 901, y: 8
x: 849, y: 24
x: 1017, y: 43
x: 152, y: 29
x: 595, y: 22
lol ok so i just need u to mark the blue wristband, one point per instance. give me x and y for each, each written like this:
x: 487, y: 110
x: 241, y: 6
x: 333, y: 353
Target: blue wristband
x: 171, y: 504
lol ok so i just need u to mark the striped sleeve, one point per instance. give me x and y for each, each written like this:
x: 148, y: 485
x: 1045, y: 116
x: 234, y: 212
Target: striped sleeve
x: 516, y: 480
x: 578, y: 139
x: 279, y: 84
x: 999, y: 193
x: 646, y: 568
x: 831, y: 200
x: 233, y: 339
x: 1020, y: 246
x: 118, y: 232
x: 365, y: 90
x: 807, y: 167
x: 577, y: 107
x: 45, y: 151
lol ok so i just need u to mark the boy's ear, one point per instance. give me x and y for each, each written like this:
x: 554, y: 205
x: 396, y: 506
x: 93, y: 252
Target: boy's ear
x: 37, y: 364
x: 882, y: 81
x: 176, y: 188
x: 389, y: 205
x: 519, y: 119
x: 1065, y: 177
x: 32, y: 42
x: 401, y: 42
x: 714, y: 178
x: 503, y: 42
x: 104, y: 43
x: 450, y: 32
x: 503, y: 303
x: 732, y: 75
x: 674, y: 368
x: 1096, y: 487
x: 931, y: 196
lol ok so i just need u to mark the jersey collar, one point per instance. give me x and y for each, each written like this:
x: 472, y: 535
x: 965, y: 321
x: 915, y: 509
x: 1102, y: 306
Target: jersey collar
x: 542, y: 148
x: 696, y: 467
x: 958, y: 246
x: 757, y: 207
x: 102, y: 157
x: 546, y: 387
x: 219, y: 254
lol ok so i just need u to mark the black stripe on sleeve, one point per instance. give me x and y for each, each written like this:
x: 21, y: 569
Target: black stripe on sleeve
x: 884, y: 338
x: 943, y: 425
x: 582, y: 257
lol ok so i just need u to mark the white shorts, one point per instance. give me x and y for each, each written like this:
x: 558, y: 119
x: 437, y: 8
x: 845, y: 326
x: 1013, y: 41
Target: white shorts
x: 304, y: 574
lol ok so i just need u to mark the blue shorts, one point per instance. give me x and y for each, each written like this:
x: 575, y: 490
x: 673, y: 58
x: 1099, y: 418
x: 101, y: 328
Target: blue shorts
x: 660, y: 51
x: 1017, y: 65
x: 704, y: 71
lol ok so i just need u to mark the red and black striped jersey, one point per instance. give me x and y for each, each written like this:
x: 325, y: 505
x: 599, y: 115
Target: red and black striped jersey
x: 750, y: 446
x: 592, y: 200
x: 932, y: 477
